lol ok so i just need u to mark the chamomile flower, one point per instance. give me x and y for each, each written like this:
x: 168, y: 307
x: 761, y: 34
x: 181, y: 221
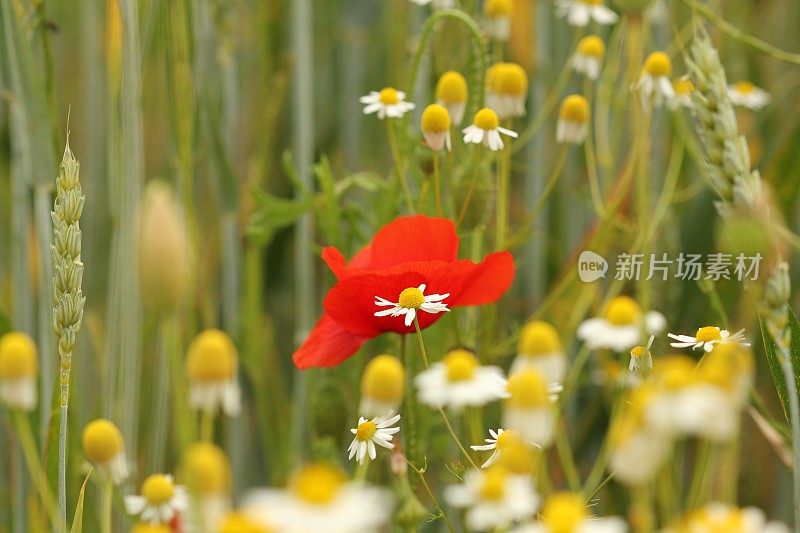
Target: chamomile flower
x: 486, y: 130
x: 18, y: 368
x: 459, y: 380
x: 451, y: 92
x: 506, y: 90
x: 566, y: 512
x: 388, y: 102
x: 706, y: 338
x: 573, y: 120
x: 208, y: 480
x: 683, y: 89
x: 438, y: 4
x: 435, y: 126
x: 540, y: 347
x: 103, y: 447
x: 144, y: 527
x: 212, y: 368
x: 641, y: 358
x: 745, y: 94
x: 529, y: 408
x: 238, y: 522
x: 654, y: 83
x: 382, y: 386
x: 368, y: 433
x: 620, y: 328
x: 493, y: 498
x: 320, y: 498
x: 580, y: 12
x: 499, y: 440
x: 410, y: 301
x: 588, y: 57
x: 498, y: 15
x: 723, y: 517
x: 159, y: 502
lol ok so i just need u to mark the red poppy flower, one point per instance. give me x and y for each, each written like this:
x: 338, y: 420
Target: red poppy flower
x: 409, y: 270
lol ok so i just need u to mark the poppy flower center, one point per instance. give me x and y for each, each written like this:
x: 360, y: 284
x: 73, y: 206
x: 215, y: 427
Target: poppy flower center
x: 317, y: 484
x: 366, y: 430
x: 708, y: 333
x: 493, y: 487
x: 158, y: 489
x: 623, y: 311
x: 563, y: 512
x: 460, y: 365
x: 411, y: 298
x: 389, y: 96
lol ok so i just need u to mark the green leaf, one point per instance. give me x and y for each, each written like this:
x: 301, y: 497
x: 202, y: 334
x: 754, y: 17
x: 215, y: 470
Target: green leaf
x: 275, y: 213
x: 331, y: 214
x: 77, y: 521
x: 773, y: 358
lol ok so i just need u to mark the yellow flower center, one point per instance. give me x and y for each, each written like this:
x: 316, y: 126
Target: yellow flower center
x: 708, y: 333
x: 206, y: 469
x: 563, y: 512
x: 498, y: 8
x: 539, y: 338
x: 389, y: 96
x: 144, y: 527
x: 575, y: 108
x: 593, y: 2
x: 592, y: 46
x: 732, y: 519
x: 486, y: 119
x: 744, y: 87
x: 102, y: 441
x: 384, y: 379
x: 507, y: 79
x: 638, y: 351
x: 435, y: 119
x: 623, y: 311
x: 239, y: 523
x: 17, y: 356
x: 493, y: 485
x: 683, y: 86
x: 158, y: 489
x: 726, y: 365
x: 528, y: 390
x: 451, y: 88
x: 366, y: 430
x: 674, y: 371
x: 506, y: 438
x: 411, y: 298
x: 460, y: 365
x: 516, y: 457
x: 212, y: 357
x: 658, y: 64
x: 317, y: 484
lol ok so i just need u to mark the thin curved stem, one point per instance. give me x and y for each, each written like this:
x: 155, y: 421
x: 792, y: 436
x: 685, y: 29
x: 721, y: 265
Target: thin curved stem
x: 437, y: 183
x: 399, y: 165
x: 476, y: 165
x: 38, y: 475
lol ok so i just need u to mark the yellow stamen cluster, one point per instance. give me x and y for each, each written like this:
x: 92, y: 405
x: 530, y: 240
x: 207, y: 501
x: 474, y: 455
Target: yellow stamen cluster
x: 638, y: 351
x: 102, y: 441
x: 435, y: 119
x: 528, y: 390
x: 744, y: 87
x: 317, y: 483
x: 563, y: 512
x: 683, y: 86
x: 239, y: 523
x: 17, y: 356
x: 451, y: 88
x: 144, y: 527
x: 574, y: 108
x: 674, y: 371
x: 507, y: 79
x: 708, y: 333
x: 486, y: 119
x: 411, y: 298
x: 623, y: 311
x: 539, y: 338
x: 389, y: 96
x: 366, y: 430
x: 493, y: 484
x: 516, y: 456
x: 631, y: 417
x: 498, y: 8
x: 206, y: 469
x: 460, y: 364
x: 726, y: 366
x: 158, y: 489
x: 384, y: 379
x: 658, y: 64
x: 212, y: 357
x: 592, y: 46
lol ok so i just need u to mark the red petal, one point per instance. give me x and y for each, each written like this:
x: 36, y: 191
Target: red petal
x: 489, y: 280
x: 328, y: 344
x: 335, y: 260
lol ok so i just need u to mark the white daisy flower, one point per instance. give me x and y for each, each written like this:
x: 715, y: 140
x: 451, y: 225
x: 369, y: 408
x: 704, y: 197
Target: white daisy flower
x: 498, y: 15
x: 104, y: 447
x: 208, y: 482
x: 683, y: 89
x: 540, y: 347
x: 580, y: 12
x: 573, y: 120
x: 389, y: 102
x: 588, y: 57
x: 641, y: 358
x: 730, y: 519
x: 411, y: 300
x: 493, y: 498
x: 621, y: 327
x: 435, y: 125
x: 18, y: 369
x: 506, y: 90
x: 529, y: 409
x: 382, y: 386
x: 706, y: 337
x: 654, y: 83
x: 368, y: 433
x: 496, y: 444
x: 486, y: 130
x: 320, y: 498
x: 459, y: 380
x: 745, y: 94
x: 452, y: 92
x: 212, y: 368
x: 159, y: 502
x: 567, y: 512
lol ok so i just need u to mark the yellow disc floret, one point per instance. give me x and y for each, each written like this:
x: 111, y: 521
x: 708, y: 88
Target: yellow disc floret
x: 17, y: 356
x: 638, y: 351
x: 144, y: 527
x: 102, y: 441
x: 574, y: 108
x: 516, y: 456
x: 674, y: 371
x: 539, y: 338
x: 528, y: 390
x: 384, y: 379
x: 411, y: 298
x: 212, y: 357
x: 451, y: 88
x: 389, y: 96
x: 623, y: 311
x: 683, y: 86
x: 658, y: 64
x: 708, y: 333
x: 493, y: 484
x: 507, y: 79
x: 460, y: 364
x: 158, y: 489
x: 206, y: 469
x: 498, y: 8
x: 563, y: 512
x: 366, y: 430
x: 486, y: 119
x: 744, y: 87
x: 592, y: 46
x: 317, y: 483
x: 435, y: 119
x: 239, y: 523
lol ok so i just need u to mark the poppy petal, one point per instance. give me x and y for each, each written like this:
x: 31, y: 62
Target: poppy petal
x: 335, y: 261
x: 328, y: 344
x: 489, y: 280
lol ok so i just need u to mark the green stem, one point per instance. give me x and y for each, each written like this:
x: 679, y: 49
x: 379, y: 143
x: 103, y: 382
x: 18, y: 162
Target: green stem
x: 37, y: 473
x: 421, y: 475
x: 437, y: 184
x: 362, y: 469
x: 566, y: 458
x: 105, y: 513
x: 591, y: 159
x: 476, y: 165
x: 207, y: 425
x: 504, y: 176
x: 399, y: 164
x: 410, y: 419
